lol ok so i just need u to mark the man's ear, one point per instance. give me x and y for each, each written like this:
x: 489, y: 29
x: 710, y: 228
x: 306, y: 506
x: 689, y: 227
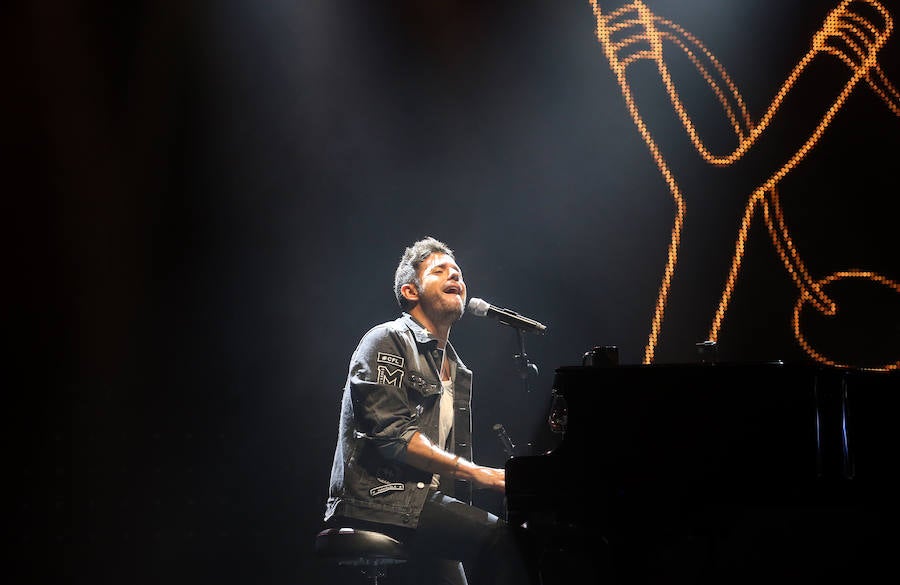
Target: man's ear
x: 410, y: 292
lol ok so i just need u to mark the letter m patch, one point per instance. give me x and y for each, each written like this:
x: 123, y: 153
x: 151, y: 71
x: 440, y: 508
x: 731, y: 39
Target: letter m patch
x: 390, y: 377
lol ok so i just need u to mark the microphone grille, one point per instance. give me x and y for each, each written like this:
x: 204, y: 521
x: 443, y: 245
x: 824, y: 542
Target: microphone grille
x: 478, y: 307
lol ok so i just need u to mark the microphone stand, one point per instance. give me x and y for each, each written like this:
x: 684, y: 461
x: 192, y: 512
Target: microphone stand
x: 527, y: 369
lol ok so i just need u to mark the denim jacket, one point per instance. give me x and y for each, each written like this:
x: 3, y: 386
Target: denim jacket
x: 393, y: 389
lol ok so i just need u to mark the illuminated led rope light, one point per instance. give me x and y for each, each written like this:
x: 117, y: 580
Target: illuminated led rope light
x: 633, y: 33
x: 798, y: 307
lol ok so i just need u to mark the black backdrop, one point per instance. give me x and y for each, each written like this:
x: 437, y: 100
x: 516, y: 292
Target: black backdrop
x: 208, y: 200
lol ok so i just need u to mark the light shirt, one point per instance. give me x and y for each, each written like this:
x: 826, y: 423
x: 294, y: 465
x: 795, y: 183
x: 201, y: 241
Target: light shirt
x: 445, y: 423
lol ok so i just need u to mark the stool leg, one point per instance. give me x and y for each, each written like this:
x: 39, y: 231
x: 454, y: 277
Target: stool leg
x: 374, y: 573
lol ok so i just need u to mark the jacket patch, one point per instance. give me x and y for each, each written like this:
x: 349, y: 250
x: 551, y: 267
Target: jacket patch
x: 390, y: 359
x: 418, y: 382
x: 390, y: 377
x: 386, y: 487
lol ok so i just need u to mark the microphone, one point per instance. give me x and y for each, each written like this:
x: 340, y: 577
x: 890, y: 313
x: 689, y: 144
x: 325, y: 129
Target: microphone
x: 481, y: 308
x: 508, y: 445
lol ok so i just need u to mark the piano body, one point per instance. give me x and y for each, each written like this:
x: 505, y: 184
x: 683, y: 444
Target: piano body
x: 715, y: 473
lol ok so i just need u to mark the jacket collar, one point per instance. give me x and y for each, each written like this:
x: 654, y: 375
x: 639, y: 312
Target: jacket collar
x: 422, y: 335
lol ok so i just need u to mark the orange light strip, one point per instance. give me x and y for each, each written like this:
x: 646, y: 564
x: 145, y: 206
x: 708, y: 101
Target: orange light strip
x: 854, y: 32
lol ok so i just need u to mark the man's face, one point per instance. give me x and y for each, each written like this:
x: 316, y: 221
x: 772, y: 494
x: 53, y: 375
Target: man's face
x: 443, y: 291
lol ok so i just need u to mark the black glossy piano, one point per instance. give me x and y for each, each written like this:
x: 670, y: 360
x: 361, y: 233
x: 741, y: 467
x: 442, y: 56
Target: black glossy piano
x: 715, y: 473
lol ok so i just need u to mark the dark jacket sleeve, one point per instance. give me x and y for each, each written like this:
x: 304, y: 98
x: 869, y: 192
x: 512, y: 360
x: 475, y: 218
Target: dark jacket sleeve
x: 382, y: 406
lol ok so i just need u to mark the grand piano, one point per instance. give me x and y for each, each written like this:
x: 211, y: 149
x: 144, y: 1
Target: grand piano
x: 714, y: 473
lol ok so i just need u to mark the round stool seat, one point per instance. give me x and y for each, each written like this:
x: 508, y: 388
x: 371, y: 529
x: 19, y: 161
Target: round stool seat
x: 352, y: 546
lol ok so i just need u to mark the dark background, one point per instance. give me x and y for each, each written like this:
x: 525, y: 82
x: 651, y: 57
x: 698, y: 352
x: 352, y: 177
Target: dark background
x: 207, y: 201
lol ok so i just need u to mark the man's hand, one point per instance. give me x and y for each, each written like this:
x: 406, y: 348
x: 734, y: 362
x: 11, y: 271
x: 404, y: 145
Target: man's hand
x: 483, y: 477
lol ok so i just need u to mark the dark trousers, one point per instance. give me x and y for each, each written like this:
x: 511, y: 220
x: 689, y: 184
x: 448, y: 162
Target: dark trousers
x: 459, y: 544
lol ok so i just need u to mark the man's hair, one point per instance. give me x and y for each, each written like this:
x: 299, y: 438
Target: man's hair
x: 408, y: 269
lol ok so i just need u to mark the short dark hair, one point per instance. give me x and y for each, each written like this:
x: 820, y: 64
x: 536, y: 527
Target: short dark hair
x: 408, y: 269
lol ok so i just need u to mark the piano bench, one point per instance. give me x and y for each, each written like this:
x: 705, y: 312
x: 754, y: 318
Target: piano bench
x: 372, y: 552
